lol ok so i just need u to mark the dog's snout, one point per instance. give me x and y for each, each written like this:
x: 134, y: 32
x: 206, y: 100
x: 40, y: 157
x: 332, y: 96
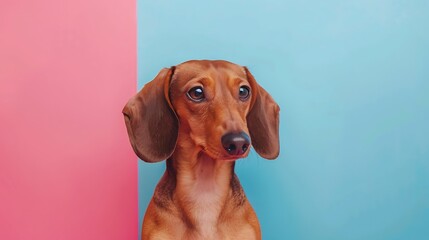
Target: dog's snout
x: 236, y: 143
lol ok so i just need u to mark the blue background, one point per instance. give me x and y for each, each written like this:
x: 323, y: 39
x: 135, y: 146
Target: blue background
x: 352, y: 81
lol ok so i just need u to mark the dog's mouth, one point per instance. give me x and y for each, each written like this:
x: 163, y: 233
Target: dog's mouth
x: 222, y: 156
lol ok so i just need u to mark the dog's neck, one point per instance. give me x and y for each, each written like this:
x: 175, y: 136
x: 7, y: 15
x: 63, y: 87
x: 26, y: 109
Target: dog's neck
x: 203, y: 188
x: 203, y: 175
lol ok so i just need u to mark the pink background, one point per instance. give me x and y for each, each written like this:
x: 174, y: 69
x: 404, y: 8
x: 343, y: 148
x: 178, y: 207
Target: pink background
x: 66, y: 167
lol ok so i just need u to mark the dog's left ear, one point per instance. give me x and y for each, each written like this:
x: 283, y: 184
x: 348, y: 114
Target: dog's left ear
x: 263, y: 121
x: 152, y: 124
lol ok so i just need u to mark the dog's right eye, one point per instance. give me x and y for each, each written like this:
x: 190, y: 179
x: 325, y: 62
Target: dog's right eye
x: 196, y: 94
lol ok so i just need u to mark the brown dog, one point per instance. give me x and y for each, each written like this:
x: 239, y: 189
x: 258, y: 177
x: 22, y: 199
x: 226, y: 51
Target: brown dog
x: 199, y: 115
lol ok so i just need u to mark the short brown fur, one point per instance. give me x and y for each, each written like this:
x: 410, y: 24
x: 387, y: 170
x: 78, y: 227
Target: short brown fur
x: 199, y: 195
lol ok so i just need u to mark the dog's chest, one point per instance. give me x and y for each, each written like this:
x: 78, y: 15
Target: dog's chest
x: 206, y: 199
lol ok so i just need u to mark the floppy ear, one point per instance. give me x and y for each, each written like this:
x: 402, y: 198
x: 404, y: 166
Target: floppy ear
x: 151, y: 122
x: 263, y: 121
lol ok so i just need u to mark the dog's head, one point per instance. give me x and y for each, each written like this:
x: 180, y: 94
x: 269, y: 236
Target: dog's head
x: 216, y: 106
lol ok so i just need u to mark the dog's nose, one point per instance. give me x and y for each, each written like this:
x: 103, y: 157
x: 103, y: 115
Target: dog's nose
x: 236, y: 143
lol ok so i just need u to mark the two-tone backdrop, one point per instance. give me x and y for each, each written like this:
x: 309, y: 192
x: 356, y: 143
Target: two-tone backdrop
x: 351, y: 78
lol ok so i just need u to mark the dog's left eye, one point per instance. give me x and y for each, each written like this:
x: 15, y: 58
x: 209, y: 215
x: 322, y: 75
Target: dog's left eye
x: 196, y: 94
x: 244, y: 93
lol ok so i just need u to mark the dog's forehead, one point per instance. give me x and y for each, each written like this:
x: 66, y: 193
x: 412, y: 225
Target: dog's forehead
x: 208, y: 68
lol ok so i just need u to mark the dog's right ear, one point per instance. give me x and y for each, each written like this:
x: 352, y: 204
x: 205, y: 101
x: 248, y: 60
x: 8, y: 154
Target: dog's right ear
x: 263, y: 121
x: 152, y: 124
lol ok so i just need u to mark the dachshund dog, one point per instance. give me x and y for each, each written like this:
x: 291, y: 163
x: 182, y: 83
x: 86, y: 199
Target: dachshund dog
x: 201, y: 116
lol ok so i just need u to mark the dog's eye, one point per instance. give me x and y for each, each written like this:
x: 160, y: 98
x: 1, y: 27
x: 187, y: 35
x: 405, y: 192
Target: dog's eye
x: 196, y: 94
x: 244, y: 93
